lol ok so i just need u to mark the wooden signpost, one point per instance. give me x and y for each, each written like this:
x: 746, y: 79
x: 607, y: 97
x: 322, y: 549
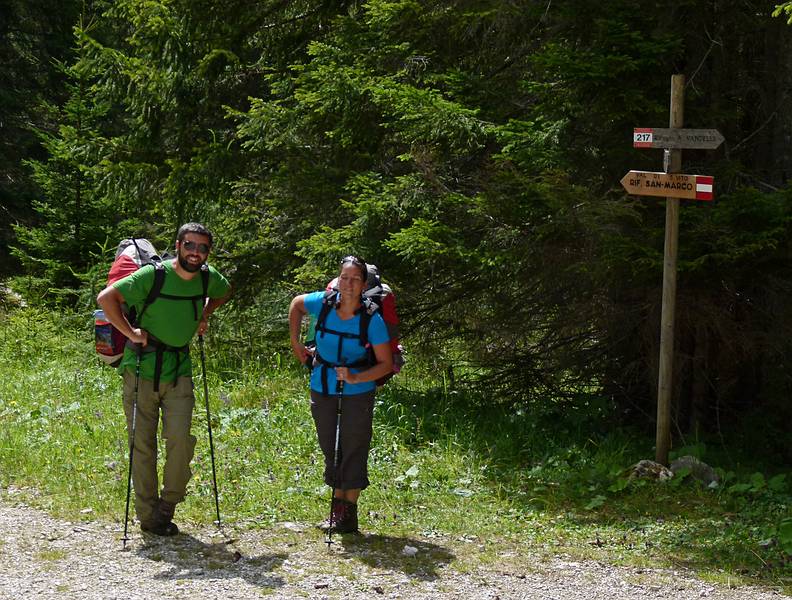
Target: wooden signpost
x: 672, y: 185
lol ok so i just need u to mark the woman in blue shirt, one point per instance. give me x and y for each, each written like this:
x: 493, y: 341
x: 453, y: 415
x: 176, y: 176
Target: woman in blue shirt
x: 340, y: 356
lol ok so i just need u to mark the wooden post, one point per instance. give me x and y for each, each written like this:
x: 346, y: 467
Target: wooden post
x: 665, y: 379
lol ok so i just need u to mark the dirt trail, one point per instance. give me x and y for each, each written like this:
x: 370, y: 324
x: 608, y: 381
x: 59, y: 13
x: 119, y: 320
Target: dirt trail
x: 42, y: 557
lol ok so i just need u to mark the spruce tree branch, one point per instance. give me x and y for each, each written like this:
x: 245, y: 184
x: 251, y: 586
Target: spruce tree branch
x: 713, y: 42
x: 509, y: 62
x: 757, y: 130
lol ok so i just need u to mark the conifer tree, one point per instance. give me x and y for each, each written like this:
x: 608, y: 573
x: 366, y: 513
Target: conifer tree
x: 75, y: 219
x: 32, y: 38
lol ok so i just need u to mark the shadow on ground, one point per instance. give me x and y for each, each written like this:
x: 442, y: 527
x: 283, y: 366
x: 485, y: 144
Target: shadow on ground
x: 191, y: 558
x: 418, y: 559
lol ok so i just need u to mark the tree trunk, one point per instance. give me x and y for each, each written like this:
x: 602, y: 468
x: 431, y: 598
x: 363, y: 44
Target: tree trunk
x: 699, y: 389
x: 778, y: 54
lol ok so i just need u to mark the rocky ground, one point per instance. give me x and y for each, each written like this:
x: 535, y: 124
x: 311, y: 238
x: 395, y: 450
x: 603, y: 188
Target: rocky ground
x: 43, y: 557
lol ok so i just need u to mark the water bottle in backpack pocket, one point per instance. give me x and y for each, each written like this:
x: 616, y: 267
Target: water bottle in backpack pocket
x: 109, y: 341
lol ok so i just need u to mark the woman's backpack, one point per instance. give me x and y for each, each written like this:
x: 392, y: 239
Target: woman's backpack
x: 377, y: 297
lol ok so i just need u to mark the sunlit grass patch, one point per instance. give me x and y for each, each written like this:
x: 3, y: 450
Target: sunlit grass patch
x: 464, y: 480
x: 52, y: 555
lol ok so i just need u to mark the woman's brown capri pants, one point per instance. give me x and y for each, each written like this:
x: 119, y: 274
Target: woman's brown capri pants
x: 357, y: 414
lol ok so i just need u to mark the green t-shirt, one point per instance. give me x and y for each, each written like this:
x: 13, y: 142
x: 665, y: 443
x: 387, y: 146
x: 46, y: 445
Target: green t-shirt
x: 173, y: 322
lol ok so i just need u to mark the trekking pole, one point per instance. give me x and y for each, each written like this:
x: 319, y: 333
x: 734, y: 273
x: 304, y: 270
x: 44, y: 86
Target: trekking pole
x: 125, y: 539
x: 209, y: 425
x: 339, y: 395
x: 237, y: 554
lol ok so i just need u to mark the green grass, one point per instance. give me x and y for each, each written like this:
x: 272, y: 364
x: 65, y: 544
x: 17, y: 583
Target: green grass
x: 51, y: 555
x: 448, y: 465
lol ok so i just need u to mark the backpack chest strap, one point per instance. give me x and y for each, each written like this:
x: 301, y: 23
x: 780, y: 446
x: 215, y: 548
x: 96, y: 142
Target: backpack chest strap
x: 342, y: 334
x: 193, y: 299
x: 156, y: 292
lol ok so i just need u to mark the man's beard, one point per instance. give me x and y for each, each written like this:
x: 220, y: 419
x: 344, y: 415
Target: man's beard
x: 190, y: 268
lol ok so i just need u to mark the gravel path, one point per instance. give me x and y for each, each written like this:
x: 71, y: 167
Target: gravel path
x: 42, y: 557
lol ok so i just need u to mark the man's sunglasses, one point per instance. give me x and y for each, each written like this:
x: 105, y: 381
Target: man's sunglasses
x: 189, y: 245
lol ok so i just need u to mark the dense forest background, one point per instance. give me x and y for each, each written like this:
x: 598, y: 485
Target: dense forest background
x: 471, y: 149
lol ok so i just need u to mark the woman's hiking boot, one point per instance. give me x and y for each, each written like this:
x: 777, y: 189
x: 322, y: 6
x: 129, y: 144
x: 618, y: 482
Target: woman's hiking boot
x: 162, y: 520
x: 345, y: 518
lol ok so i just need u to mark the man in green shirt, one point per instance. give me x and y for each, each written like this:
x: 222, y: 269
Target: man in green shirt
x: 191, y: 291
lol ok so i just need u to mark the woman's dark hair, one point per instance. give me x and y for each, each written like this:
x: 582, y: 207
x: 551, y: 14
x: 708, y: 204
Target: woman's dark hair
x: 194, y: 228
x: 359, y: 263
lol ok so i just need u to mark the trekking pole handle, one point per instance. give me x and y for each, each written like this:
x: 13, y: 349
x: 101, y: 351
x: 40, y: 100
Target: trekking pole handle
x: 340, y: 382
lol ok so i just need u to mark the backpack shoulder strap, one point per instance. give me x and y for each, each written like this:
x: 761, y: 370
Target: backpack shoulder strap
x: 156, y: 288
x: 365, y: 321
x: 329, y: 300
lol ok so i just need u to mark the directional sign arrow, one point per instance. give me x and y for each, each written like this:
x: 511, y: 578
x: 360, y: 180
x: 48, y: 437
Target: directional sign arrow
x: 654, y: 137
x: 669, y: 185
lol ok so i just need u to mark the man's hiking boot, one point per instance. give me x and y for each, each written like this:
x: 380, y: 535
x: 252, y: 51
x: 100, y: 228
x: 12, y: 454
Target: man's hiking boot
x: 163, y: 529
x: 344, y: 516
x: 162, y: 520
x: 166, y: 510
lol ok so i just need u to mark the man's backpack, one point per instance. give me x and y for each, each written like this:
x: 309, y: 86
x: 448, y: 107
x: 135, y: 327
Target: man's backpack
x: 378, y: 296
x: 131, y: 255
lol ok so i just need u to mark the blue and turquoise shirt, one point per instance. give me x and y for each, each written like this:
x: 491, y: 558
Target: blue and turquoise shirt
x: 351, y: 349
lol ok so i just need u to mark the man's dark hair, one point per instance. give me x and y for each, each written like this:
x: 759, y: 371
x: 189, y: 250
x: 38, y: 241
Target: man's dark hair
x: 193, y: 228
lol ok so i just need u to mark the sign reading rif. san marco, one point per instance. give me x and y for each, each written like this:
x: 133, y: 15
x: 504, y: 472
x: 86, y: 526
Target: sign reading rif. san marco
x: 669, y: 185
